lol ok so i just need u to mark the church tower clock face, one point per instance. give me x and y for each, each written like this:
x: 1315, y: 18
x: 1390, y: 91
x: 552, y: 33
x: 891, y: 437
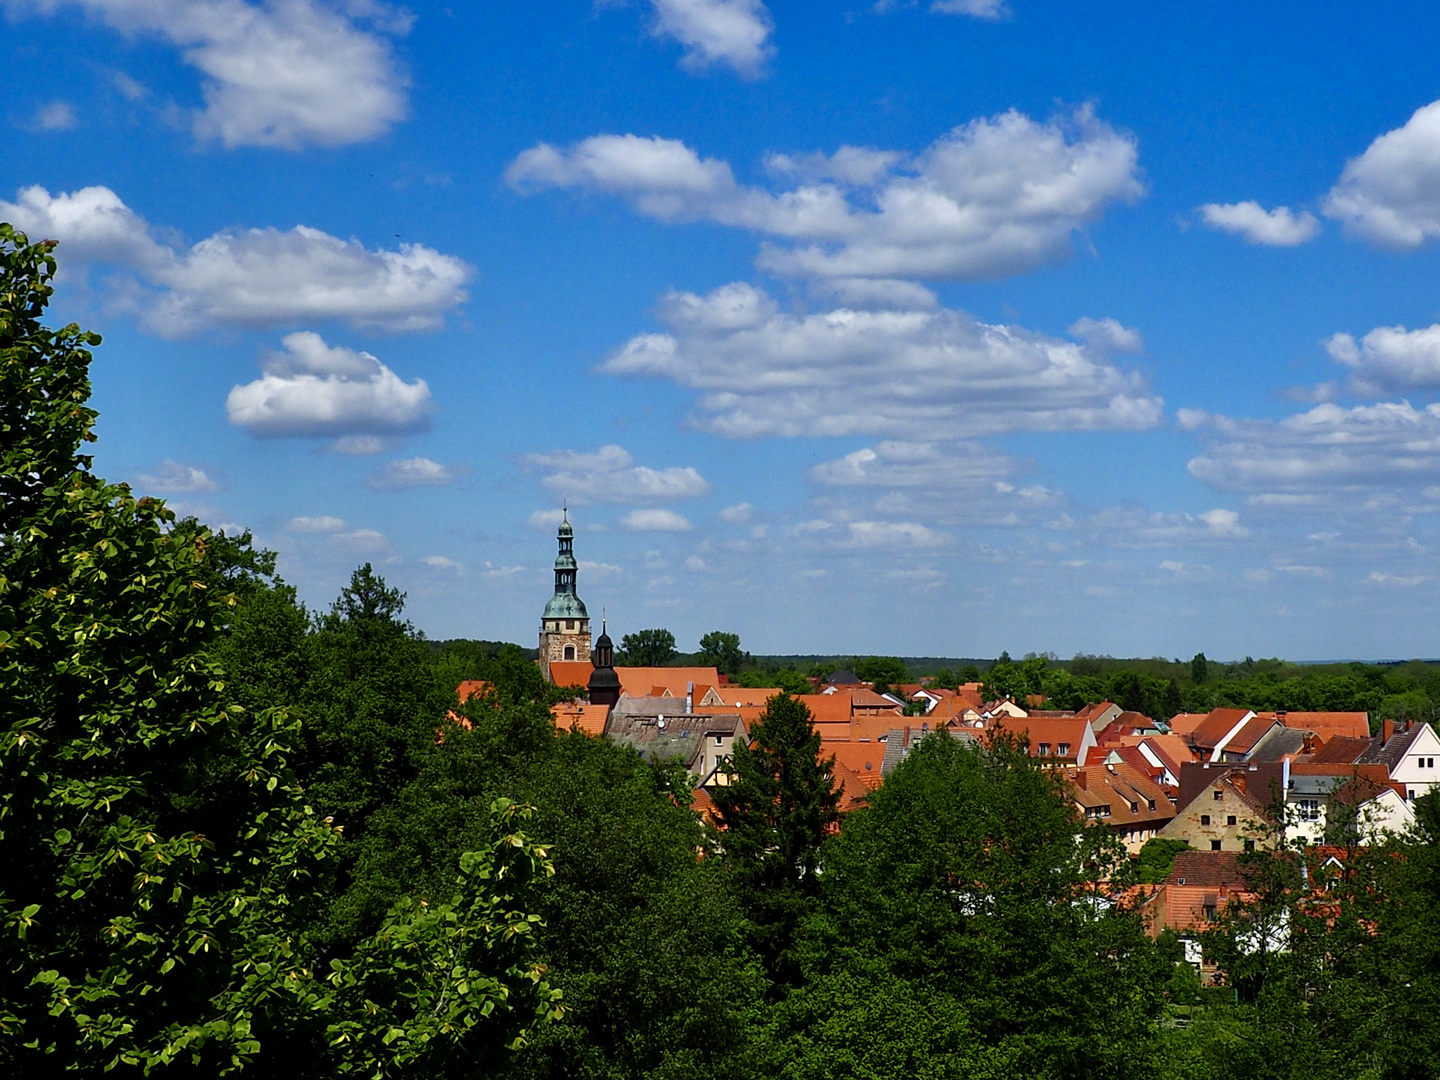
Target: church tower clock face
x: 564, y: 624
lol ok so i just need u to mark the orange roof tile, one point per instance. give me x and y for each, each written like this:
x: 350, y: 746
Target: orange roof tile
x: 571, y: 672
x: 1352, y: 725
x: 643, y: 681
x: 589, y: 719
x: 1186, y: 722
x: 470, y: 688
x: 862, y: 758
x: 827, y: 708
x: 1216, y: 725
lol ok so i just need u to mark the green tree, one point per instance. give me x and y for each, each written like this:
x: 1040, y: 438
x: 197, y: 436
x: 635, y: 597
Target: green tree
x: 1199, y: 669
x: 1157, y: 858
x: 966, y: 884
x: 159, y: 856
x: 786, y: 679
x: 723, y: 651
x: 883, y: 671
x: 648, y: 648
x: 776, y: 809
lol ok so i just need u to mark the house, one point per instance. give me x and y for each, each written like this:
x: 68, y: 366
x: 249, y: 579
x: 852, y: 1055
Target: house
x: 1372, y: 805
x: 1198, y: 889
x: 900, y: 741
x: 1099, y: 715
x: 702, y: 741
x: 1409, y: 754
x: 1352, y: 725
x: 1122, y: 724
x: 1225, y: 807
x: 866, y: 702
x: 1229, y: 735
x: 1055, y: 741
x: 1183, y: 724
x: 1124, y: 799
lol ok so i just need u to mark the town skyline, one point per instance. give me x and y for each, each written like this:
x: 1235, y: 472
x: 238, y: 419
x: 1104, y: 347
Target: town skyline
x: 898, y: 330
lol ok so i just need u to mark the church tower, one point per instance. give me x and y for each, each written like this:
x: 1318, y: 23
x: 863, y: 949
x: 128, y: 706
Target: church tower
x: 565, y: 624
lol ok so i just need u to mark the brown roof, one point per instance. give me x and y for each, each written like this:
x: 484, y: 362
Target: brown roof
x: 827, y: 708
x: 469, y: 688
x: 1251, y: 782
x: 1216, y: 726
x: 1208, y: 869
x: 1246, y: 738
x: 1170, y: 749
x: 864, y: 697
x: 1126, y: 790
x: 1341, y: 750
x: 1054, y: 732
x: 854, y: 789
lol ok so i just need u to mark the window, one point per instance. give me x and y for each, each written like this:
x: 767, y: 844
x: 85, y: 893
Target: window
x: 569, y: 652
x: 1204, y: 819
x: 1214, y: 845
x: 1044, y: 749
x: 1430, y: 763
x: 1309, y: 809
x: 1209, y: 912
x: 719, y: 740
x: 1219, y: 795
x: 1230, y: 820
x: 1134, y: 808
x: 1152, y: 804
x: 1064, y: 750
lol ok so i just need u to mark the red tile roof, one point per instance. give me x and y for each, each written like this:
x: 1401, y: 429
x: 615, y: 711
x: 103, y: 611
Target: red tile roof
x: 470, y: 688
x: 589, y: 719
x: 1352, y: 725
x: 1215, y: 726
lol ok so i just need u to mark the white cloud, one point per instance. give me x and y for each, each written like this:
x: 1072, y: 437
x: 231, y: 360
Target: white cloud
x: 1378, y: 578
x: 976, y: 9
x: 611, y: 475
x: 868, y: 534
x: 289, y: 73
x: 1130, y: 527
x: 1390, y: 358
x: 737, y: 514
x: 732, y: 33
x: 545, y: 519
x: 440, y: 562
x: 764, y: 371
x: 997, y: 196
x: 1390, y: 194
x: 1280, y: 227
x: 53, y: 116
x: 360, y: 542
x: 493, y: 571
x: 654, y: 521
x: 598, y: 571
x: 1325, y: 450
x: 245, y: 277
x: 322, y: 524
x: 414, y: 472
x: 173, y: 478
x: 1107, y: 335
x: 313, y: 389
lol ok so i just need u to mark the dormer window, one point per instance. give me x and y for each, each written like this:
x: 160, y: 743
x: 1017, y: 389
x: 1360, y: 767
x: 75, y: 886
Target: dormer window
x: 1044, y: 749
x: 1064, y: 749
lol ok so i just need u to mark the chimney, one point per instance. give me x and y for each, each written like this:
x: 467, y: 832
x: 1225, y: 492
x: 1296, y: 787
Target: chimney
x: 1082, y: 780
x: 1387, y: 731
x: 689, y: 697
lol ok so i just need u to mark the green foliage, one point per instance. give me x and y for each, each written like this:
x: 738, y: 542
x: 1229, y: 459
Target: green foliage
x: 1199, y: 669
x: 779, y: 802
x: 1157, y: 858
x: 160, y: 860
x: 787, y: 679
x: 965, y: 886
x: 647, y: 648
x: 883, y: 671
x: 722, y: 651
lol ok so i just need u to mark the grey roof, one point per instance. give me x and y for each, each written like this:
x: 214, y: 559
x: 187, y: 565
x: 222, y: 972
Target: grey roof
x: 673, y: 736
x: 843, y: 678
x: 565, y: 606
x: 1390, y: 754
x: 901, y: 741
x: 1276, y: 743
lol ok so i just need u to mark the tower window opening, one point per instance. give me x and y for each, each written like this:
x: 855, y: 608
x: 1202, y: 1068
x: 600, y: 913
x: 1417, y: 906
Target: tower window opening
x: 569, y: 652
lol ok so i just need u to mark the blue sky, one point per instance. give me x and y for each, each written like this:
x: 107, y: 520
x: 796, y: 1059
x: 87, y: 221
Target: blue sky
x: 912, y: 328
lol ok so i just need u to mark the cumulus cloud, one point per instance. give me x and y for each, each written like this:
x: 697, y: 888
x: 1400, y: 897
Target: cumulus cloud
x: 322, y: 524
x: 764, y: 371
x: 997, y: 196
x: 173, y: 478
x: 1280, y: 227
x: 728, y: 33
x: 611, y: 475
x: 545, y: 519
x: 1326, y: 449
x: 288, y: 74
x: 313, y: 389
x: 870, y: 534
x: 654, y: 521
x: 1107, y: 335
x: 1128, y: 527
x: 737, y: 514
x: 414, y: 472
x: 245, y: 277
x: 440, y: 562
x: 1390, y: 194
x: 1390, y: 358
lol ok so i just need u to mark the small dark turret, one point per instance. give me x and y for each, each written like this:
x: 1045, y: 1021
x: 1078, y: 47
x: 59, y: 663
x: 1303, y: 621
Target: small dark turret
x: 604, y: 684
